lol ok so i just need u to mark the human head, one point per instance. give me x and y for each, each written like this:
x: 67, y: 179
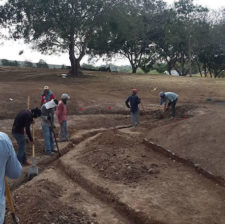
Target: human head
x: 65, y: 96
x: 51, y: 104
x: 36, y: 112
x: 162, y: 94
x: 162, y: 97
x: 134, y: 91
x: 46, y: 89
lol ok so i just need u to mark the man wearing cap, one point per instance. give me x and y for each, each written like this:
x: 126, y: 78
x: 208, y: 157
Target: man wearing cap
x: 22, y: 121
x: 61, y: 112
x: 169, y: 99
x: 132, y: 103
x: 9, y: 166
x: 46, y: 95
x: 47, y: 123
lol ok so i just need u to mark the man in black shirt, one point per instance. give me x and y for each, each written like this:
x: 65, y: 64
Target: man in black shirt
x: 23, y: 121
x: 132, y: 103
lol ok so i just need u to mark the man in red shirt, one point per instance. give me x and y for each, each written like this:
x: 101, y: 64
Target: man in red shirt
x: 47, y: 95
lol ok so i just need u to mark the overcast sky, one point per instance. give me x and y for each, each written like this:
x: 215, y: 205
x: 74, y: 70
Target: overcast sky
x: 10, y: 49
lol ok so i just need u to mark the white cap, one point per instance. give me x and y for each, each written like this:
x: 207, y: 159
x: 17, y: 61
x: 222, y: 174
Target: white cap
x: 65, y: 96
x: 46, y: 88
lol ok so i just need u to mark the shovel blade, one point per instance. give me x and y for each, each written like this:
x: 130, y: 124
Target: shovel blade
x: 32, y: 172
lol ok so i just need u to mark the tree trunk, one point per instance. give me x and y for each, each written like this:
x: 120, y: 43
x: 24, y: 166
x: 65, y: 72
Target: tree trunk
x: 75, y: 63
x: 134, y: 69
x: 189, y: 56
x: 205, y: 70
x: 199, y: 67
x: 182, y: 64
x: 169, y: 67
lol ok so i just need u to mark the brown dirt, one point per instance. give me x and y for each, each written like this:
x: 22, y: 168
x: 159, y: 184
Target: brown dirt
x: 99, y: 179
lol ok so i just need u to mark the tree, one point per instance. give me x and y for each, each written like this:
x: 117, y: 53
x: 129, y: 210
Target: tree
x: 6, y: 62
x: 42, y: 64
x: 56, y: 25
x: 28, y: 64
x: 128, y: 31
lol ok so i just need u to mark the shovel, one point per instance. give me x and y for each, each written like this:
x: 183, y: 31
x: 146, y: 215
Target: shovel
x: 56, y: 142
x: 10, y: 202
x: 33, y: 170
x: 143, y: 108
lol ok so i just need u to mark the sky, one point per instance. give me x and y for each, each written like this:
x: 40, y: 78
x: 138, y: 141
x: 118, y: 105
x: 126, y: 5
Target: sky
x: 10, y: 49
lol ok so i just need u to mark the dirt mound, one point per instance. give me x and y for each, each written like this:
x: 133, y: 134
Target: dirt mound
x: 110, y: 155
x: 183, y: 111
x: 40, y: 204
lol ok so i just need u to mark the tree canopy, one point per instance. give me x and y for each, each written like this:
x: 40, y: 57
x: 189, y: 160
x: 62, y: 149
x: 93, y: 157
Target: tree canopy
x: 147, y: 32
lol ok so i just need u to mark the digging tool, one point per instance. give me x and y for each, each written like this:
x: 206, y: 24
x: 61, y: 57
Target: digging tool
x: 10, y: 202
x: 142, y: 107
x: 28, y: 102
x: 56, y: 142
x: 33, y: 170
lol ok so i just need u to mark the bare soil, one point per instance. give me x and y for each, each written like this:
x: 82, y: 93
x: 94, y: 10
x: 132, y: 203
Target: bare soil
x: 107, y: 174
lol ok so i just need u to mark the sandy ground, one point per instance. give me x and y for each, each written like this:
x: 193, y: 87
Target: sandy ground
x: 107, y: 174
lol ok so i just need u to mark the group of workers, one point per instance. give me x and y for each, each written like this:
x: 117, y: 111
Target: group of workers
x: 10, y: 163
x: 24, y: 119
x: 169, y: 99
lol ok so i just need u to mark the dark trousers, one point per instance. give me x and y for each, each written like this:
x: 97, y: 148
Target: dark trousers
x: 173, y: 106
x: 21, y: 141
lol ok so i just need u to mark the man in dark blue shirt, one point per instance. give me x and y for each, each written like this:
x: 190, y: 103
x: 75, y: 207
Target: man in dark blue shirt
x: 132, y: 103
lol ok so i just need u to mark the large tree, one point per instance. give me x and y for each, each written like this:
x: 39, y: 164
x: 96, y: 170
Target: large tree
x: 128, y: 31
x: 55, y: 25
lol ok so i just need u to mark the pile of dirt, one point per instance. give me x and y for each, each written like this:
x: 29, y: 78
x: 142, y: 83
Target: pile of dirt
x: 183, y: 111
x: 40, y: 204
x: 113, y: 156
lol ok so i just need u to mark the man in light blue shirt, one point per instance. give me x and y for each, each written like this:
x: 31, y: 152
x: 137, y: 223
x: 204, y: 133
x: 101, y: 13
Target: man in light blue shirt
x: 169, y: 99
x: 9, y: 166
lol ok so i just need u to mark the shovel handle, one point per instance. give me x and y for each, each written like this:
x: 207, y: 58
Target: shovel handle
x: 56, y: 142
x: 10, y: 201
x: 33, y: 146
x: 28, y: 102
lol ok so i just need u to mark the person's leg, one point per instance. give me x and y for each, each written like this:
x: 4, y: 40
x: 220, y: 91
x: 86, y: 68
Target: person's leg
x: 60, y: 132
x: 46, y: 135
x: 137, y: 117
x: 173, y: 104
x: 51, y: 139
x: 65, y: 130
x: 133, y: 119
x: 21, y: 154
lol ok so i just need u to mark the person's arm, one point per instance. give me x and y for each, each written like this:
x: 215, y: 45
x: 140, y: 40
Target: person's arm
x: 138, y: 100
x: 27, y: 127
x: 60, y: 113
x: 13, y: 167
x: 52, y: 96
x: 42, y: 100
x: 127, y: 102
x: 164, y: 107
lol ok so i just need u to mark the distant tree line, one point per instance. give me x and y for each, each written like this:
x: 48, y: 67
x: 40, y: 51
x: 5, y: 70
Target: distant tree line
x: 28, y: 64
x: 151, y: 34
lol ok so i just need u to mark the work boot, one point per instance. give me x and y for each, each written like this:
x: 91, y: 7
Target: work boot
x: 49, y: 153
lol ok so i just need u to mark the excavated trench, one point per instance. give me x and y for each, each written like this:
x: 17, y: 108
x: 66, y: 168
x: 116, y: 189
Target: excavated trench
x: 104, y: 166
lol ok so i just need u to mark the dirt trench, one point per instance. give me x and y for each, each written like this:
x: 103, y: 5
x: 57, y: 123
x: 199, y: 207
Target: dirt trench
x: 111, y: 176
x: 108, y: 175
